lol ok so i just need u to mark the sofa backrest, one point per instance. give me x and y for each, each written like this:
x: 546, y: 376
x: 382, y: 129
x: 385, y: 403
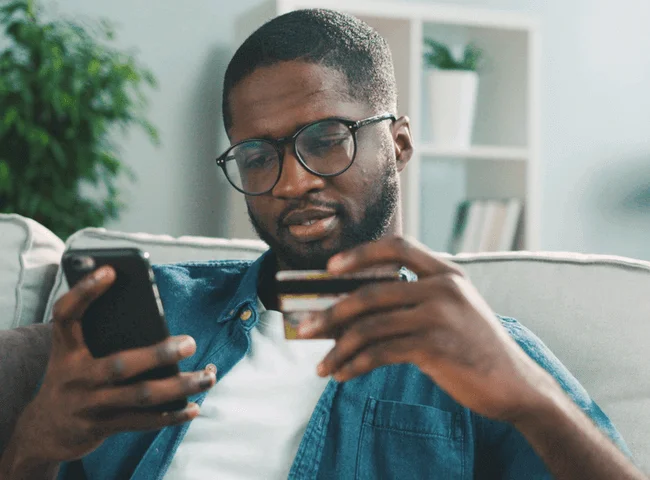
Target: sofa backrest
x: 593, y: 311
x: 29, y: 258
x: 161, y: 249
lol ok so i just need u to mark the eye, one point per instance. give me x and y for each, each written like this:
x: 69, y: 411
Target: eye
x: 326, y: 143
x: 259, y: 162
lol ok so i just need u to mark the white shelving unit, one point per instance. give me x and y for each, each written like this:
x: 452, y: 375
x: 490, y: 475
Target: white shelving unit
x: 504, y: 160
x: 477, y: 152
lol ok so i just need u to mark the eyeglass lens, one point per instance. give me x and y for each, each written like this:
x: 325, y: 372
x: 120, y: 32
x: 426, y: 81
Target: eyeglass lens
x: 326, y: 148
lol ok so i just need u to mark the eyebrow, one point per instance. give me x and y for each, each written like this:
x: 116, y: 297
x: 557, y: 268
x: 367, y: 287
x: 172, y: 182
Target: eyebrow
x: 298, y: 127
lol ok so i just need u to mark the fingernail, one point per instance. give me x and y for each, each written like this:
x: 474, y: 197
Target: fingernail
x: 101, y: 273
x: 310, y: 325
x: 191, y: 409
x: 206, y: 380
x: 321, y: 370
x: 185, y: 346
x: 338, y: 262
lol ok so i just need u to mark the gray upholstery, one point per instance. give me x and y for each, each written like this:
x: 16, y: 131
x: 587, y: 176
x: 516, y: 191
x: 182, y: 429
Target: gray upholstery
x: 593, y: 312
x: 24, y: 353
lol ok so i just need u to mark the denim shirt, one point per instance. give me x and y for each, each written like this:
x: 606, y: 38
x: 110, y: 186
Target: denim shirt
x: 391, y: 423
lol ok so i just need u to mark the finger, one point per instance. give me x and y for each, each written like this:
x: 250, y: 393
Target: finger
x: 366, y: 331
x: 69, y: 309
x: 141, y: 421
x: 153, y: 392
x: 124, y: 365
x: 393, y: 351
x: 391, y: 250
x: 370, y: 298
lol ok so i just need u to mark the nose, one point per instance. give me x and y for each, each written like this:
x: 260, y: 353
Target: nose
x: 296, y: 181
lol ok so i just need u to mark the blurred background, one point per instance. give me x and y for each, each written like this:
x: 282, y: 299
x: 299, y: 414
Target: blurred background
x: 591, y: 182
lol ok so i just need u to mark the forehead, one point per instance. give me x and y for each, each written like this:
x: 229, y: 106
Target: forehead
x: 275, y: 101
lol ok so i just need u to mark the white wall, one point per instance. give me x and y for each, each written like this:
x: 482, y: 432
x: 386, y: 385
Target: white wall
x: 187, y: 45
x: 595, y: 170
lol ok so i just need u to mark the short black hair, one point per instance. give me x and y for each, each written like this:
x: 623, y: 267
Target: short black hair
x: 325, y: 37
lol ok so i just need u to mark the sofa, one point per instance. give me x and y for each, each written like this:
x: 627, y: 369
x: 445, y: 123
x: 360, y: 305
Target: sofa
x: 593, y: 311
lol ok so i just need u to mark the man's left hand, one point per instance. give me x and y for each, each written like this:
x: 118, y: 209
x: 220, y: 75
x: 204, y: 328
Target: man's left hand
x: 439, y: 323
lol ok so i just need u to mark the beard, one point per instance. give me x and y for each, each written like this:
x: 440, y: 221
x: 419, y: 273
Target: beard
x: 379, y: 213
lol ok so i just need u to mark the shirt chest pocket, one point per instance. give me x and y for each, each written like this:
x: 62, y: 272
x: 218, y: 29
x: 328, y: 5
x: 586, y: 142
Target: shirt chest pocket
x: 400, y: 440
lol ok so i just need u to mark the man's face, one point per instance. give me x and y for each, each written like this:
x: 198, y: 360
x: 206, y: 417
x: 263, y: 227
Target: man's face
x: 306, y: 219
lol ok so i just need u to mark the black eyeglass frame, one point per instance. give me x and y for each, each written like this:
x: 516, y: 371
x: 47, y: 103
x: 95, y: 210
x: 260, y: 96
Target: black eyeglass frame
x: 280, y: 143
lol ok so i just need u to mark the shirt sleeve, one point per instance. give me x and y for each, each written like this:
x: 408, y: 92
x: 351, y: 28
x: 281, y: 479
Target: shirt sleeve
x: 501, y: 451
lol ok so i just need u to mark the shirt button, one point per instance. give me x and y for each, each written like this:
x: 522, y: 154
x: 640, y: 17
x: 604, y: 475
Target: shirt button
x: 211, y: 367
x: 246, y: 314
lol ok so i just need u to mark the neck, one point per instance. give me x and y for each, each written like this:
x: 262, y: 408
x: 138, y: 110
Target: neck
x: 395, y: 227
x: 266, y: 282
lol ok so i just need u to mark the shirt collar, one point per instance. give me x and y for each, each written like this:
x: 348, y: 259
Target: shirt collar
x: 246, y: 295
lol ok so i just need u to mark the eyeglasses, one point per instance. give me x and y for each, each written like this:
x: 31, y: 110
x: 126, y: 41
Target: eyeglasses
x: 326, y: 148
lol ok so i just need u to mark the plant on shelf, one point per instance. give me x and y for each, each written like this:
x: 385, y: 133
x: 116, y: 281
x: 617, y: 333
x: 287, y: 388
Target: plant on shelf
x: 453, y: 87
x: 65, y: 91
x: 441, y: 57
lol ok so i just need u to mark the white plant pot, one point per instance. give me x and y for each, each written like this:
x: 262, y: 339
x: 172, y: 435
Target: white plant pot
x: 452, y: 105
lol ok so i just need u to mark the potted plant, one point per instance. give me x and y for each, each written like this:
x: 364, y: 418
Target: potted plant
x: 64, y: 92
x: 453, y: 87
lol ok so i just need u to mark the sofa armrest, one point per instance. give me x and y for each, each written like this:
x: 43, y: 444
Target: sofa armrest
x: 24, y: 353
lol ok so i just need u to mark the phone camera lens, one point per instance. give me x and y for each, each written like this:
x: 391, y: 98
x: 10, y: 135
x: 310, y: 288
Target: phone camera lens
x: 83, y: 263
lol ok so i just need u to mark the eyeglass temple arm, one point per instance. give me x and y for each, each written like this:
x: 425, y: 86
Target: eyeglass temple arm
x: 375, y: 119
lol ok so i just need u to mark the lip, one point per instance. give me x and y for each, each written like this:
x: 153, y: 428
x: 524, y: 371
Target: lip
x: 319, y: 229
x: 298, y: 217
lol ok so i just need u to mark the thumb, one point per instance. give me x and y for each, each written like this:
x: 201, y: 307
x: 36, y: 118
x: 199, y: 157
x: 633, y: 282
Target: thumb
x: 69, y: 309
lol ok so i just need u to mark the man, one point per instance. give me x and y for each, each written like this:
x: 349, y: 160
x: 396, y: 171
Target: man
x: 427, y: 381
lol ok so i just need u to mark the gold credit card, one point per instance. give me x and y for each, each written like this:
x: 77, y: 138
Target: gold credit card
x: 304, y: 291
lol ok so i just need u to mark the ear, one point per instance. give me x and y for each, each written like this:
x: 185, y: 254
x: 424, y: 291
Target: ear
x: 402, y: 141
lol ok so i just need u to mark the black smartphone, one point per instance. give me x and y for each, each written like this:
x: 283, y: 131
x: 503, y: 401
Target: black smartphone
x: 129, y: 314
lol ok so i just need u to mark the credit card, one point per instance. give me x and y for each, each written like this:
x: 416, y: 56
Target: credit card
x: 304, y: 291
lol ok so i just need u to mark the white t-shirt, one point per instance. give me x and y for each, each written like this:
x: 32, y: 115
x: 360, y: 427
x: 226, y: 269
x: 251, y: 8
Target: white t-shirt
x: 252, y: 421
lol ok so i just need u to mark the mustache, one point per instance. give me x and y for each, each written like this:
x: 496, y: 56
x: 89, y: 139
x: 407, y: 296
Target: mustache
x: 303, y: 204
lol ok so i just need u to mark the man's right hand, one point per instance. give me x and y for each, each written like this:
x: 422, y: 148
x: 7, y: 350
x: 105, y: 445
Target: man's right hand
x: 81, y: 402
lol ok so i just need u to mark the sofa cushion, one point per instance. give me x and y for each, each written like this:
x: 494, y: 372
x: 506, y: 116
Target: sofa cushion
x: 161, y: 248
x: 30, y: 255
x: 593, y: 312
x: 24, y: 354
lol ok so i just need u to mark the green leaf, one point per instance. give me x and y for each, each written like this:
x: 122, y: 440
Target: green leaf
x: 472, y: 57
x: 94, y: 67
x: 32, y: 205
x: 56, y: 57
x: 36, y: 136
x: 13, y: 7
x: 41, y: 136
x: 440, y: 56
x: 149, y: 78
x: 5, y: 176
x: 58, y: 153
x: 107, y: 28
x: 10, y: 117
x: 14, y: 29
